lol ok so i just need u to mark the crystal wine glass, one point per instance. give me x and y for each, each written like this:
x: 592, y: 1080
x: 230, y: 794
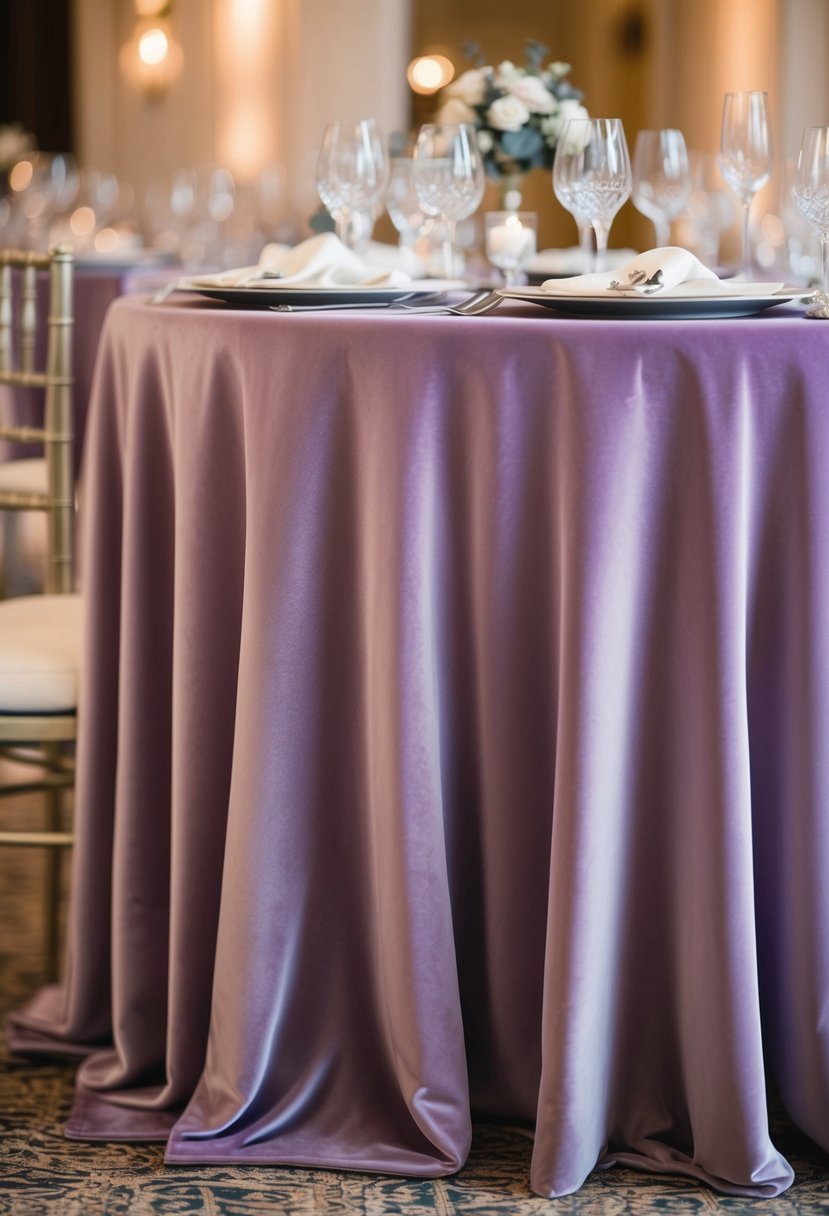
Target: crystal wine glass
x: 351, y: 174
x: 746, y: 154
x: 449, y: 179
x: 402, y: 202
x: 661, y: 179
x: 601, y: 177
x: 565, y: 166
x: 811, y: 194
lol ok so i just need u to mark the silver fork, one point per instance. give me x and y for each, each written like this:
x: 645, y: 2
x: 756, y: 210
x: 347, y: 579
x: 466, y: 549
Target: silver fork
x: 477, y: 305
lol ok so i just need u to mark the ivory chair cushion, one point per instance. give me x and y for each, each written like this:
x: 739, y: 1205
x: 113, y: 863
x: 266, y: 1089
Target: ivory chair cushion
x: 24, y: 476
x: 39, y: 653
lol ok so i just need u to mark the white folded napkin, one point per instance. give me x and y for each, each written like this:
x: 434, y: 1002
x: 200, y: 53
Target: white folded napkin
x: 668, y: 272
x: 321, y: 261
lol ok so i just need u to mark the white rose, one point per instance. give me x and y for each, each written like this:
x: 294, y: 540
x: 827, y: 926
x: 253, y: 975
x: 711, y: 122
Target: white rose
x: 535, y: 96
x: 485, y: 142
x: 559, y: 70
x: 455, y: 111
x: 554, y: 125
x: 506, y: 74
x: 507, y: 114
x: 470, y: 86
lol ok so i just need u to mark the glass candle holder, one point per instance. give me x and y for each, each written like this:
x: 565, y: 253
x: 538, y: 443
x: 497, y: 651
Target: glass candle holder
x: 510, y: 242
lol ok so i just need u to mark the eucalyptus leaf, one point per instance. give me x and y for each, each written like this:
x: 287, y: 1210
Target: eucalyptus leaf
x: 523, y: 144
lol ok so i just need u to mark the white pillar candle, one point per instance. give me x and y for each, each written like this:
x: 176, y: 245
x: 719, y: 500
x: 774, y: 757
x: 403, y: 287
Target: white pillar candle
x: 512, y: 240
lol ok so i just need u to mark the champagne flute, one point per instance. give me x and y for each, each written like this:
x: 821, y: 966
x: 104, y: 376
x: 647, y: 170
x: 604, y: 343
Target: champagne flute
x: 449, y: 179
x: 601, y: 179
x: 661, y: 179
x: 811, y: 194
x: 351, y: 175
x: 565, y: 166
x: 746, y: 154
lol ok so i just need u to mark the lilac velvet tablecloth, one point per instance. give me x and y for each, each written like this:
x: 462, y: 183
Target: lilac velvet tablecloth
x: 453, y: 738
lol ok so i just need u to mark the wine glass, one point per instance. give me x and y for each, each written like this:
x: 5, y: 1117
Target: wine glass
x: 565, y: 165
x: 510, y: 242
x: 711, y: 207
x: 402, y: 202
x: 661, y: 179
x: 746, y: 154
x: 601, y: 178
x: 351, y: 175
x: 449, y: 179
x: 811, y: 194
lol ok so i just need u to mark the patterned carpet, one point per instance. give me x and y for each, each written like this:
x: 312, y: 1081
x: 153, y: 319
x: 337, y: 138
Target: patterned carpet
x: 40, y: 1172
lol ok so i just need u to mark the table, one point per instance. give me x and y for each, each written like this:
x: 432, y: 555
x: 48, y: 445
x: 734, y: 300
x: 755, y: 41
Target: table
x: 453, y: 736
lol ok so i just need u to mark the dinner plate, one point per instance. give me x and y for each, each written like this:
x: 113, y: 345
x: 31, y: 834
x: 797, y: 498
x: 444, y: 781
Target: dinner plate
x: 265, y: 297
x: 675, y: 308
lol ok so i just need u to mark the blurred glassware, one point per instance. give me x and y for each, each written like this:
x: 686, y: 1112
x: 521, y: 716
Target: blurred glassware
x: 661, y: 179
x: 811, y: 194
x: 746, y: 155
x: 601, y: 178
x: 200, y: 216
x: 352, y: 172
x: 711, y: 209
x: 566, y: 164
x: 41, y: 186
x: 802, y: 256
x: 449, y: 180
x: 402, y: 202
x: 510, y: 242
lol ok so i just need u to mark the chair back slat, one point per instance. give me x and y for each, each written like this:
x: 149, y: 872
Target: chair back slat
x: 28, y: 319
x: 56, y: 435
x: 5, y: 318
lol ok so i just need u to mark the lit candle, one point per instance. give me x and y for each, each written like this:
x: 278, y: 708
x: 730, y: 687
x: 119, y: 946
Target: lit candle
x: 512, y: 240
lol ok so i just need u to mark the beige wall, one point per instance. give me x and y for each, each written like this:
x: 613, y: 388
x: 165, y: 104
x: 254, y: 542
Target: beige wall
x: 260, y: 80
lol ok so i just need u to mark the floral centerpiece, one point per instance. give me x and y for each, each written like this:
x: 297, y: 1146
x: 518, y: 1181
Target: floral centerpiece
x: 519, y: 112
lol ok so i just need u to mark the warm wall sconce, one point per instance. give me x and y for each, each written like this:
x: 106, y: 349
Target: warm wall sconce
x: 152, y: 59
x: 428, y: 73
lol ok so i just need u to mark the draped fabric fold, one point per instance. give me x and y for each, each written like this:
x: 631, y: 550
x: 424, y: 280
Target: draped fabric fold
x: 452, y: 743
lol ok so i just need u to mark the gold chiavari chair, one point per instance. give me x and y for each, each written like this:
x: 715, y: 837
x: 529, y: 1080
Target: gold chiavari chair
x: 40, y: 634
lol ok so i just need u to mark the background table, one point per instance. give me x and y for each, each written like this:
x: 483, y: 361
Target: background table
x: 93, y: 292
x: 453, y: 735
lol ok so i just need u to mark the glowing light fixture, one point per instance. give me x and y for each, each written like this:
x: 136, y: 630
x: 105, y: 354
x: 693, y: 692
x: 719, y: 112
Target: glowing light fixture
x: 428, y: 73
x: 152, y: 59
x: 21, y: 175
x: 153, y: 47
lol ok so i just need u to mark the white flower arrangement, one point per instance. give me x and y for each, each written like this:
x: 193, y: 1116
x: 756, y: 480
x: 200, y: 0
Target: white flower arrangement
x: 519, y: 112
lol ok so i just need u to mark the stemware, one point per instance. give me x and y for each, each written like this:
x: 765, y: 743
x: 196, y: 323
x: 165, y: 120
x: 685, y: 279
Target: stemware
x: 565, y: 166
x: 746, y: 154
x: 711, y: 207
x: 351, y: 175
x: 811, y: 194
x: 601, y: 178
x: 449, y: 179
x: 661, y: 178
x: 402, y: 202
